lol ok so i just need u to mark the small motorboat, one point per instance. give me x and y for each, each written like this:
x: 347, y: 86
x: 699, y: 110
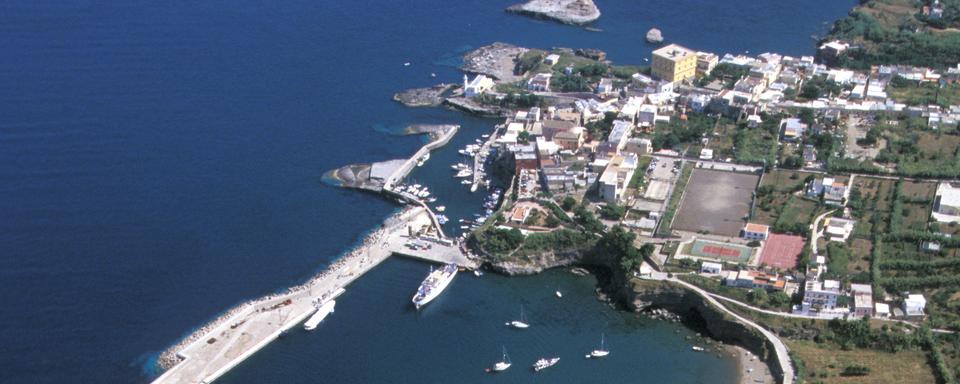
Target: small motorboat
x: 441, y: 208
x: 477, y: 272
x: 697, y: 348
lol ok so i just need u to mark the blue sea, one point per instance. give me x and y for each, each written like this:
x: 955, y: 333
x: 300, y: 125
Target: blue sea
x: 161, y: 162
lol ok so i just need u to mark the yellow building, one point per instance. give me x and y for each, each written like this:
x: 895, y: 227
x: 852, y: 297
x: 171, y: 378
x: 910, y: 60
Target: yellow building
x: 674, y: 63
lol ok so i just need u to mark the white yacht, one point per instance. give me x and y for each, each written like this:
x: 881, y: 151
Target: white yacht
x: 504, y: 362
x: 520, y: 324
x: 601, y: 352
x: 545, y: 363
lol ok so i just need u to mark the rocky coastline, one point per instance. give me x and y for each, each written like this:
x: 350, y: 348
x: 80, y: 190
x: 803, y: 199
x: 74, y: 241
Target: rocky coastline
x: 575, y: 12
x: 660, y: 300
x: 423, y: 97
x: 495, y: 60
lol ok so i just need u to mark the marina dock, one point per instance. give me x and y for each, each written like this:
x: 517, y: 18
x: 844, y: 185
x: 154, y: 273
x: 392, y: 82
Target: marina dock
x: 218, y: 347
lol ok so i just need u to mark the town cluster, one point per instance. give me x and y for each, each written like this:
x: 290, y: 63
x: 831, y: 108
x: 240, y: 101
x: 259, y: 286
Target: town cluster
x: 769, y: 173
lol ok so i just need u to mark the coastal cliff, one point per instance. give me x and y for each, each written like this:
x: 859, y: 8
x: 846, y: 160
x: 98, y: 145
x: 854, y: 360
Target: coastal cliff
x: 577, y: 12
x: 638, y: 295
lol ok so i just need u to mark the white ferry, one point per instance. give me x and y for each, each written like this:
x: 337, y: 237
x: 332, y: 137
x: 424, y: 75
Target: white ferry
x: 322, y: 312
x: 434, y: 284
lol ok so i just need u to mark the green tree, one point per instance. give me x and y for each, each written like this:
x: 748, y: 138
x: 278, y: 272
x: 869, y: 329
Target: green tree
x: 568, y: 203
x: 612, y: 211
x: 757, y: 296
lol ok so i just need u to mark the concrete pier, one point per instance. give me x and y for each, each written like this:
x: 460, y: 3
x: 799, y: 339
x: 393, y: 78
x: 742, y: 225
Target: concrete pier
x: 218, y: 347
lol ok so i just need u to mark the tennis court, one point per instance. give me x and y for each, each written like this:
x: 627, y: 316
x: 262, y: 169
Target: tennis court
x: 722, y: 251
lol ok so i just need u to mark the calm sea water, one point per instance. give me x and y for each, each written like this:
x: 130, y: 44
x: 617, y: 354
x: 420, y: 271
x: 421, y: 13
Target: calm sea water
x: 161, y: 162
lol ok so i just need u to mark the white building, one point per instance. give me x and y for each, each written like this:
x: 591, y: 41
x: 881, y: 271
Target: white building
x: 477, y: 86
x: 793, y: 129
x: 647, y: 115
x: 838, y: 229
x: 711, y: 267
x: 753, y: 231
x: 819, y: 296
x: 616, y: 177
x: 619, y: 134
x: 946, y: 204
x: 540, y: 82
x: 914, y: 305
x: 551, y: 59
x: 706, y: 154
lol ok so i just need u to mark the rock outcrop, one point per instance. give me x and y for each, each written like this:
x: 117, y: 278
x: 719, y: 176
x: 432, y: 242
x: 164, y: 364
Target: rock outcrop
x: 577, y: 12
x: 423, y: 97
x: 496, y: 60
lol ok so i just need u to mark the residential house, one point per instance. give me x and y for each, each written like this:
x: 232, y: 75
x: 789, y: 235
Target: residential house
x: 833, y: 49
x: 571, y: 139
x: 706, y: 154
x: 792, y: 129
x: 833, y: 190
x: 862, y: 299
x: 705, y: 63
x: 820, y: 295
x: 619, y: 134
x: 640, y: 146
x: 520, y: 214
x: 754, y: 121
x: 946, y: 203
x: 551, y: 59
x: 558, y: 179
x: 838, y: 229
x: 647, y: 116
x: 606, y: 87
x: 753, y: 231
x: 809, y: 154
x: 540, y: 82
x: 477, y: 86
x: 754, y: 279
x: 914, y: 305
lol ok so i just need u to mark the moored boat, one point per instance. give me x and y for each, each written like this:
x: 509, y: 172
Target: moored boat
x: 434, y: 284
x: 322, y: 312
x: 545, y: 363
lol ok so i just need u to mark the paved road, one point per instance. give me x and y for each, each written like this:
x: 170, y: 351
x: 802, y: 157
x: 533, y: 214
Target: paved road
x: 780, y: 349
x: 815, y: 234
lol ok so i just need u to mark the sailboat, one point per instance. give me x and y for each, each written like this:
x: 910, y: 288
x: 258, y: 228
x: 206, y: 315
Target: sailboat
x: 504, y: 362
x: 520, y: 324
x: 601, y: 352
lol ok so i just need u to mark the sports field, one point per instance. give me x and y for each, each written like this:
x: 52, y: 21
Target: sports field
x: 721, y: 251
x: 716, y: 202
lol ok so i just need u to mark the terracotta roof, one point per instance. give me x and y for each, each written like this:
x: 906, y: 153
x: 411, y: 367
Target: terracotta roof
x: 756, y: 228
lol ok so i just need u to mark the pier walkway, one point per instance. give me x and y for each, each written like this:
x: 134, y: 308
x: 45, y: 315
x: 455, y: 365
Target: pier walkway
x: 218, y: 347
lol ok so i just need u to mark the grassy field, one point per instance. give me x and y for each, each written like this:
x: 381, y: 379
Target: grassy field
x: 756, y: 145
x: 826, y: 364
x: 665, y: 221
x: 925, y: 94
x: 796, y: 215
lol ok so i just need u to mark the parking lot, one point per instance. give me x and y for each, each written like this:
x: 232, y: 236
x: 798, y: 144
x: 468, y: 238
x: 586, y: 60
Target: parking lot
x: 716, y: 202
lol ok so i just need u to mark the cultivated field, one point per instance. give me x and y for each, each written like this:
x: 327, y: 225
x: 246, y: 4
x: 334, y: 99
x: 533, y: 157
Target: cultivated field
x: 716, y: 202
